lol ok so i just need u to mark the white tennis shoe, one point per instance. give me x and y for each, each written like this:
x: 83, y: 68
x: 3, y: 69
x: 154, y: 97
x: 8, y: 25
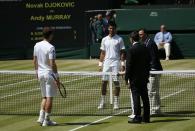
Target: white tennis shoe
x: 101, y: 106
x: 40, y: 120
x: 167, y: 58
x: 49, y: 123
x: 116, y: 106
x: 131, y: 116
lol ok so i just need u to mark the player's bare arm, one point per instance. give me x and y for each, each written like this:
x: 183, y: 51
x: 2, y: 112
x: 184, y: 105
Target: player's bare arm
x: 35, y: 65
x: 54, y: 69
x: 102, y: 55
x: 122, y: 57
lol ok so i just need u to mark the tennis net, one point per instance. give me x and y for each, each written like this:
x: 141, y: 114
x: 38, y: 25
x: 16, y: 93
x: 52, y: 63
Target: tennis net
x: 20, y: 93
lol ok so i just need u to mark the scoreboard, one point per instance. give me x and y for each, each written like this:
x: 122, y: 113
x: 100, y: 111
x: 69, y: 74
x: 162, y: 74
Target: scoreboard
x: 22, y: 21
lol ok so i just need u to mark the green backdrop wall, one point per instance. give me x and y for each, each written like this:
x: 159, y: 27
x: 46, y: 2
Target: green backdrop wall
x: 179, y: 21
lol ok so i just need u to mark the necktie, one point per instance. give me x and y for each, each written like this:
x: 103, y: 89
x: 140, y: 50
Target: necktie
x: 163, y: 37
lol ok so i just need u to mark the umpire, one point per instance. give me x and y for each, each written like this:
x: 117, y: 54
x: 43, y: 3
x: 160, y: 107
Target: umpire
x: 137, y: 72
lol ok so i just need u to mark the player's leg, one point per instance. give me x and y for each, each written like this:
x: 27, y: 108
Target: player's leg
x: 167, y: 50
x: 42, y: 111
x: 103, y: 95
x: 50, y: 93
x: 43, y: 93
x: 48, y: 108
x: 104, y: 88
x: 105, y: 78
x: 48, y: 104
x: 115, y: 70
x: 116, y: 94
x: 117, y: 88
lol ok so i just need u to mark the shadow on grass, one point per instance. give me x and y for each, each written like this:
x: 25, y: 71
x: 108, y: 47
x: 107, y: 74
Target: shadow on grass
x: 81, y: 123
x: 169, y: 120
x: 125, y: 107
x: 180, y: 114
x: 175, y: 114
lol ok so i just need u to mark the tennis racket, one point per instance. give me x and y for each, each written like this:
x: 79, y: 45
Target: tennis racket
x: 61, y: 87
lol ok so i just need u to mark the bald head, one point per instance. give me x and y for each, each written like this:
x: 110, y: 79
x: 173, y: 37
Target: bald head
x: 163, y: 28
x: 99, y: 16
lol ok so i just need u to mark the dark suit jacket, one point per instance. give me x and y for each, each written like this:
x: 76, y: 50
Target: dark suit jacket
x: 153, y: 49
x: 137, y: 64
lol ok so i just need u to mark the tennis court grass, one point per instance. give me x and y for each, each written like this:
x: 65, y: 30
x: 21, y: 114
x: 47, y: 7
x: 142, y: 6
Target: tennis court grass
x: 21, y: 95
x: 104, y: 123
x: 90, y: 65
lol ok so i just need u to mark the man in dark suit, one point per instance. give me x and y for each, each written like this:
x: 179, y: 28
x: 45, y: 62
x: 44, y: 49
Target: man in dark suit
x: 154, y: 79
x: 137, y: 73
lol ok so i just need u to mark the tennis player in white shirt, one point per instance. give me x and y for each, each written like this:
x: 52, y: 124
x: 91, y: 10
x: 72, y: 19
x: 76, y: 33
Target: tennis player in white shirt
x: 44, y: 62
x: 112, y: 59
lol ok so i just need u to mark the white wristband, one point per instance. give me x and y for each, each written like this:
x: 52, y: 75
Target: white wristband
x: 122, y: 63
x: 100, y: 63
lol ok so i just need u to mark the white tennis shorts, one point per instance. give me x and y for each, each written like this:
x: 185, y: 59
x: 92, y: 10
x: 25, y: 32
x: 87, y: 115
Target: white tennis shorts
x: 113, y: 69
x: 47, y: 84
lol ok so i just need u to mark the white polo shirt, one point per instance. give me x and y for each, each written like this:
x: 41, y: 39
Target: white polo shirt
x: 44, y: 51
x: 112, y: 47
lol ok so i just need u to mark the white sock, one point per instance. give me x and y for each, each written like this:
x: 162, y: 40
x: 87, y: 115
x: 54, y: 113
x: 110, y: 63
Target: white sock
x: 103, y: 99
x: 47, y: 116
x: 116, y: 99
x: 41, y: 113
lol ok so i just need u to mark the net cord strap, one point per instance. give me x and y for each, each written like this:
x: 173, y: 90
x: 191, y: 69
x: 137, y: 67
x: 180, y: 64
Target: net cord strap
x: 63, y: 73
x: 97, y: 73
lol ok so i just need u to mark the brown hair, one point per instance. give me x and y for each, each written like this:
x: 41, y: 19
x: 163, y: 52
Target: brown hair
x: 47, y: 31
x: 134, y: 35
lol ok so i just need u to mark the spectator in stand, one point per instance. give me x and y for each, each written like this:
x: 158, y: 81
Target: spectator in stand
x: 106, y: 22
x: 99, y: 28
x: 110, y: 17
x: 163, y: 40
x: 92, y: 29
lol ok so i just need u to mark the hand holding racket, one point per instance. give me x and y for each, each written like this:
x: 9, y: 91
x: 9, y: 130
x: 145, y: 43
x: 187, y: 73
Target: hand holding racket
x: 122, y: 73
x: 60, y: 86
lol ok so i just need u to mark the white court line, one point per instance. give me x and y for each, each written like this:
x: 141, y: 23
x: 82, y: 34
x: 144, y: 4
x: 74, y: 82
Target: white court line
x: 108, y: 117
x: 175, y: 93
x: 16, y: 83
x: 33, y: 80
x: 19, y: 93
x: 32, y: 89
x: 76, y: 79
x: 105, y: 118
